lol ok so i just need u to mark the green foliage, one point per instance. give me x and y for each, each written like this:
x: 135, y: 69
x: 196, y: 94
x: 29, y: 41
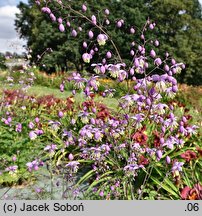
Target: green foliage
x: 179, y: 28
x: 2, y: 62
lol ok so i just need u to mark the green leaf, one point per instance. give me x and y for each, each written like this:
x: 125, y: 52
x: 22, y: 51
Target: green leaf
x: 165, y: 187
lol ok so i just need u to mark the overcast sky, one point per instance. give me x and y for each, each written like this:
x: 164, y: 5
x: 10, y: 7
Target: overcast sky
x: 9, y: 40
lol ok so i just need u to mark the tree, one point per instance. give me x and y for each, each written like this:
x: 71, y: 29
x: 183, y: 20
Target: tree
x: 41, y: 33
x: 179, y: 27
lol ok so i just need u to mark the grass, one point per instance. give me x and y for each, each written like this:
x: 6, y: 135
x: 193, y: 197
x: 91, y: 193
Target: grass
x: 49, y: 85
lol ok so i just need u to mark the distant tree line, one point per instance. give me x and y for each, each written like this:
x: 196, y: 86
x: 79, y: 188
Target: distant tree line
x: 178, y: 28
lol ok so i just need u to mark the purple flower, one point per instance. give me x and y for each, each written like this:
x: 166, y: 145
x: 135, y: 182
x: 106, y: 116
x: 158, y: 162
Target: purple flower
x: 68, y: 24
x: 177, y: 166
x: 158, y: 61
x: 38, y: 190
x: 34, y: 165
x: 61, y: 27
x: 55, y: 125
x: 51, y: 148
x: 101, y: 39
x: 94, y: 19
x: 152, y: 53
x: 90, y: 34
x: 11, y: 169
x: 85, y: 45
x: 14, y: 158
x: 52, y: 16
x: 107, y: 11
x: 101, y: 193
x: 9, y: 119
x: 84, y: 8
x: 46, y: 10
x: 31, y: 125
x: 62, y: 87
x: 32, y: 135
x: 132, y: 30
x: 132, y: 52
x: 74, y: 33
x: 60, y: 20
x: 156, y: 43
x: 109, y: 55
x: 60, y: 114
x: 37, y: 119
x: 107, y: 22
x: 168, y: 160
x: 73, y: 166
x: 39, y: 132
x: 166, y: 68
x: 86, y: 57
x: 159, y: 154
x: 151, y: 26
x: 71, y: 157
x: 18, y: 128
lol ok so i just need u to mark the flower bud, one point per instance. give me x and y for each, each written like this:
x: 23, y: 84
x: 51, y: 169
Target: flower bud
x: 92, y: 52
x: 152, y: 53
x: 60, y: 20
x: 136, y: 63
x: 61, y: 28
x: 142, y: 37
x: 107, y: 22
x: 155, y: 78
x: 60, y: 114
x: 37, y: 120
x: 90, y: 34
x: 119, y: 24
x: 68, y: 24
x: 173, y: 62
x: 184, y: 119
x: 52, y: 16
x: 151, y: 26
x: 156, y: 43
x: 132, y: 53
x: 101, y: 39
x: 162, y: 140
x: 166, y: 68
x: 148, y: 101
x: 71, y: 157
x: 158, y: 61
x: 102, y: 69
x: 85, y: 45
x: 107, y: 11
x: 132, y: 71
x: 159, y: 154
x: 92, y: 121
x: 94, y: 19
x: 168, y: 160
x: 84, y: 8
x: 174, y: 88
x: 101, y: 193
x: 132, y: 30
x: 104, y: 61
x: 74, y: 33
x: 108, y: 55
x: 86, y: 57
x: 62, y: 87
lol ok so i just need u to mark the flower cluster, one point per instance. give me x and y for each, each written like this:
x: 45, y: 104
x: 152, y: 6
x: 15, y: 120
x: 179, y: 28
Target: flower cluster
x: 141, y: 137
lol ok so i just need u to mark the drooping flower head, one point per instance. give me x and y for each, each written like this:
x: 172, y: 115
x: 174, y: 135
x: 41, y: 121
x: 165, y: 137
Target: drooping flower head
x: 101, y: 39
x: 86, y: 57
